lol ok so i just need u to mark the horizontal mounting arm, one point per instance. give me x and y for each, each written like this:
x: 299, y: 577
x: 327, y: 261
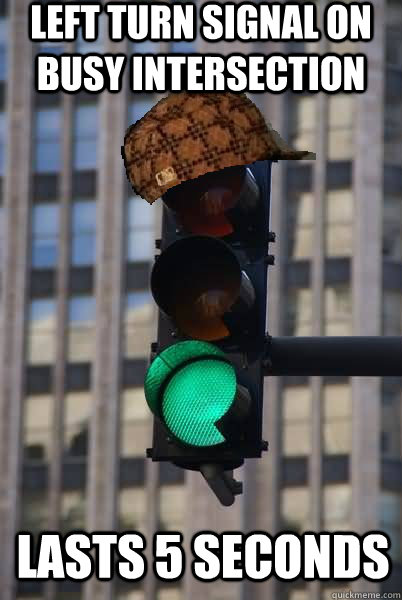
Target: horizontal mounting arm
x: 347, y: 356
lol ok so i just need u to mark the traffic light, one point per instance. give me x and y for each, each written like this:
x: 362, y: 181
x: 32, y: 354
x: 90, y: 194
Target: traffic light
x: 205, y: 381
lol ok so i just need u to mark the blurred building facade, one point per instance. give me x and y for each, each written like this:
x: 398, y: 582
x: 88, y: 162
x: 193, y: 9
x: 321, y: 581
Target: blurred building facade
x: 77, y: 319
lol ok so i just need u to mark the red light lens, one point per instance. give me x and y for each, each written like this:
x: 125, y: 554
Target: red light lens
x: 201, y: 204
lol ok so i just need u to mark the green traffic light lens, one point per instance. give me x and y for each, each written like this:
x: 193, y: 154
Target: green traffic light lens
x: 191, y: 385
x: 196, y: 397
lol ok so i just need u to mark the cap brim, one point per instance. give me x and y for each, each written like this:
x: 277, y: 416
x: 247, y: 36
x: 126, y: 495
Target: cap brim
x: 292, y: 155
x: 284, y: 151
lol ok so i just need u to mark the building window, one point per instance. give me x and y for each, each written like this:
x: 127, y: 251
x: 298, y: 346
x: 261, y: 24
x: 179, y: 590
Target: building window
x: 293, y: 592
x: 299, y: 312
x: 85, y: 137
x: 81, y: 340
x: 130, y: 595
x: 145, y: 47
x: 300, y: 225
x: 135, y: 422
x: 37, y: 428
x: 392, y: 313
x: 393, y: 108
x: 331, y: 593
x: 84, y: 47
x: 337, y: 416
x: 139, y: 324
x: 50, y: 48
x: 391, y: 440
x: 341, y: 127
x: 47, y: 146
x: 72, y: 511
x: 1, y: 236
x: 295, y: 507
x: 296, y: 416
x: 77, y: 407
x: 41, y: 331
x: 133, y: 509
x: 390, y: 522
x: 392, y: 129
x: 338, y: 310
x: 295, y: 595
x: 172, y: 507
x: 34, y: 511
x: 3, y: 143
x: 303, y: 119
x: 139, y: 107
x: 140, y: 230
x: 339, y: 223
x: 392, y: 228
x: 83, y: 233
x: 45, y: 235
x: 342, y: 48
x: 169, y: 594
x: 337, y: 507
x: 4, y: 31
x: 184, y: 47
x: 393, y: 46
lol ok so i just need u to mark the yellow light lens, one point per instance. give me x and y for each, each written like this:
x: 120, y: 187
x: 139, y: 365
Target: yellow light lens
x: 196, y: 281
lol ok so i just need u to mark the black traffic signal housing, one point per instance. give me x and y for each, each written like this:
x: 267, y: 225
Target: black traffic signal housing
x: 210, y: 283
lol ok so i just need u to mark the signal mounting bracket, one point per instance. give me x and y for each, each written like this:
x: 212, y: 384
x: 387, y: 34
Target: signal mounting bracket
x: 222, y: 483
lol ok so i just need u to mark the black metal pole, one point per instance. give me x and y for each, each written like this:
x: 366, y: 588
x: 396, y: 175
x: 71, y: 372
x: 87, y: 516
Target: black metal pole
x: 348, y: 356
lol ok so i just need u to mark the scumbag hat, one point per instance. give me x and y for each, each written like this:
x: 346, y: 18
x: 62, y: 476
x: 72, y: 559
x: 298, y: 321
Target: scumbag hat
x: 186, y: 135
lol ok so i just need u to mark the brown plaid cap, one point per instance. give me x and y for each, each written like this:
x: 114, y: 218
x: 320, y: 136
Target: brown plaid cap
x: 186, y: 135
